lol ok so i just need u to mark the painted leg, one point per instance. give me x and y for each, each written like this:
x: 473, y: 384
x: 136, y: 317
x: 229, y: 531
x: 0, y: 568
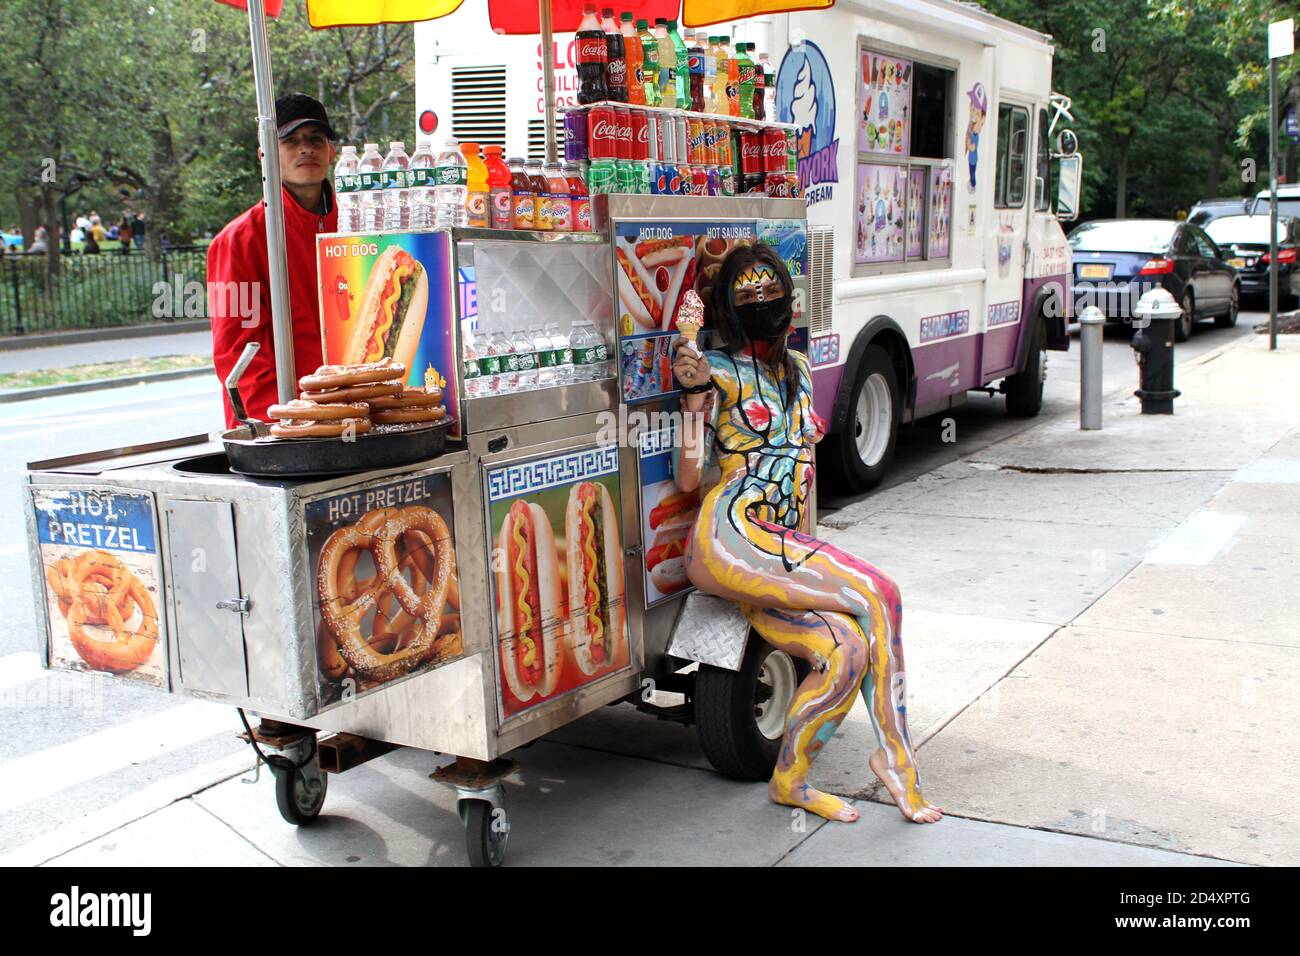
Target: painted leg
x: 835, y: 647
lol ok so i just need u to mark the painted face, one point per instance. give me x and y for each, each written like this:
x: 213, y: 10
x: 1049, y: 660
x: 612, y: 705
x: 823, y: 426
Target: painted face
x: 758, y: 283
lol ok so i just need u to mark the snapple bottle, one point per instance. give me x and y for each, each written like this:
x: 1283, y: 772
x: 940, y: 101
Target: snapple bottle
x: 579, y: 198
x: 522, y: 195
x: 542, y: 208
x: 557, y: 189
x: 498, y: 175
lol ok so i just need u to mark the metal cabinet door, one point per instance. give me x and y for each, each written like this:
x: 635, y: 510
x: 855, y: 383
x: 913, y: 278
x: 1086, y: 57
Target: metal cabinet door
x: 204, y: 572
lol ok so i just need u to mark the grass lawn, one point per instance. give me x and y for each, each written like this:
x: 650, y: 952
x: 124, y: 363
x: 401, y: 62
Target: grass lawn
x: 98, y: 370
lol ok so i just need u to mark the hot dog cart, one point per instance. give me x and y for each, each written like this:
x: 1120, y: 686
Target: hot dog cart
x: 164, y: 565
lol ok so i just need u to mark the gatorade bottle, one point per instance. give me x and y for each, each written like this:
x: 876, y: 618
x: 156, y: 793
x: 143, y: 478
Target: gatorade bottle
x: 695, y: 64
x: 722, y: 63
x: 650, y: 62
x: 476, y: 199
x: 500, y: 204
x: 615, y: 65
x: 745, y: 79
x: 590, y: 53
x: 710, y: 72
x: 733, y: 81
x: 760, y: 99
x: 667, y: 65
x: 635, y: 57
x: 683, y: 66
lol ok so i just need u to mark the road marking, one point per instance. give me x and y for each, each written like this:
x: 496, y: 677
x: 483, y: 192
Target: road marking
x: 1270, y: 471
x: 1198, y: 540
x: 18, y: 669
x: 48, y: 771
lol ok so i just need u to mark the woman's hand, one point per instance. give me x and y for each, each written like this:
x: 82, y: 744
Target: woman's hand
x: 689, y: 366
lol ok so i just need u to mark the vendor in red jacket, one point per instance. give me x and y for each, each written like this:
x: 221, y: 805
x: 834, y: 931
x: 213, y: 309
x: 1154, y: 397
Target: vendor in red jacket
x: 239, y: 279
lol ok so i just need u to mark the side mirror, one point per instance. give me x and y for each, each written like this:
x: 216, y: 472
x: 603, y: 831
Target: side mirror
x: 1067, y: 144
x: 1067, y: 190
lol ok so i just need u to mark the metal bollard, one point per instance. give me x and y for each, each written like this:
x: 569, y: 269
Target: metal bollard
x: 1153, y: 346
x: 1091, y: 325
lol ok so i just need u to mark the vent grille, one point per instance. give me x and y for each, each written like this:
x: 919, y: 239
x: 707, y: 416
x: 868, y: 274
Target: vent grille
x: 821, y: 279
x: 478, y: 104
x: 537, y: 138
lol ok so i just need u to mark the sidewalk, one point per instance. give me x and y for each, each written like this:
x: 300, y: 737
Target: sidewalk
x: 1102, y: 649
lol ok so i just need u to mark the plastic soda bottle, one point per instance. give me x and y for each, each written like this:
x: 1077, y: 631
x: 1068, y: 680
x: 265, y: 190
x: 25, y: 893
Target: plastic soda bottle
x: 760, y: 91
x: 745, y: 79
x: 501, y: 210
x: 733, y: 80
x: 650, y: 62
x: 615, y: 64
x: 695, y: 67
x: 634, y: 55
x: 722, y: 66
x: 591, y: 54
x: 710, y: 73
x: 421, y: 191
x: 667, y: 64
x: 683, y: 66
x: 449, y: 179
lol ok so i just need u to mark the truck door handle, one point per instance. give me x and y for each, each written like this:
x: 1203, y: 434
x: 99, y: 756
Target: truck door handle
x: 240, y: 605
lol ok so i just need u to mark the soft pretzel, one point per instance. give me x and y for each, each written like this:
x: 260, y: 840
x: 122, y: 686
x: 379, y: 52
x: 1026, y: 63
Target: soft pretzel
x: 96, y: 589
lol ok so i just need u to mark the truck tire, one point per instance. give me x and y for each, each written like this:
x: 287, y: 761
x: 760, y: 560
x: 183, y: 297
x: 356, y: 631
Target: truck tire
x: 860, y: 454
x: 741, y: 714
x: 1024, y: 390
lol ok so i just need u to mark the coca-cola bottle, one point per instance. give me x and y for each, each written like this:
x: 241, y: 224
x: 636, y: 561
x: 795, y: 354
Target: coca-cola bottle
x: 591, y: 56
x: 615, y: 61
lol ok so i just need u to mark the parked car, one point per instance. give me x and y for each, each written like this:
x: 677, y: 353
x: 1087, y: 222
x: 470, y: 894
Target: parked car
x: 1208, y: 210
x: 1288, y: 201
x: 1116, y: 261
x: 1244, y: 241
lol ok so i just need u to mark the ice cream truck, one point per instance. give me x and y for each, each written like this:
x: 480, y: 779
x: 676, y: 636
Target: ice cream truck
x: 937, y: 169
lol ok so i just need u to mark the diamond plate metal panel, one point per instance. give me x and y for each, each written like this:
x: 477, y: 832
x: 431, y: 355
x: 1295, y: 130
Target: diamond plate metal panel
x: 711, y: 631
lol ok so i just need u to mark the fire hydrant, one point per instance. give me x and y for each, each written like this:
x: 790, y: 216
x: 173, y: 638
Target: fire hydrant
x: 1153, y: 347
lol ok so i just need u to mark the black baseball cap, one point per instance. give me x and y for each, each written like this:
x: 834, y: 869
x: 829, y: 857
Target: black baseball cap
x: 297, y: 109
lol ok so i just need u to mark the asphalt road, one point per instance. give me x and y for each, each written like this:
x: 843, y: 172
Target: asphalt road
x: 75, y: 745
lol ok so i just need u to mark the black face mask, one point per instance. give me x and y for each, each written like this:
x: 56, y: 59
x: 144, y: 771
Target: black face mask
x: 766, y: 321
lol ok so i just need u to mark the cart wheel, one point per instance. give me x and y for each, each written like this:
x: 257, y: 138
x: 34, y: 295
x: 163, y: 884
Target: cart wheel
x: 300, y: 794
x: 486, y: 832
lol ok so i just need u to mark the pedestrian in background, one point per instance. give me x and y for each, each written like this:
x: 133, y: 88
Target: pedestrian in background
x: 40, y: 240
x: 124, y: 234
x: 137, y: 229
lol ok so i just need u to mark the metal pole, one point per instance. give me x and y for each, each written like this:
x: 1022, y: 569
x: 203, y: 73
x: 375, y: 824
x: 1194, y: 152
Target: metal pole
x: 281, y: 325
x: 1272, y: 204
x: 548, y: 76
x: 1091, y: 325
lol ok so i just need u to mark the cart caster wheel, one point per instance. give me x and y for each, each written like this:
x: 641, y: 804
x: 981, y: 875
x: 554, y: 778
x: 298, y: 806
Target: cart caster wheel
x: 486, y: 832
x: 300, y: 794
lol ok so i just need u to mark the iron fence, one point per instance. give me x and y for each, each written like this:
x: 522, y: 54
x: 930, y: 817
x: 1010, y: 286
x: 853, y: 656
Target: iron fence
x: 102, y: 290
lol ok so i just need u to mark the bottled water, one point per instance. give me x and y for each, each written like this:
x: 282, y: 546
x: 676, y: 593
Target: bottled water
x: 507, y: 378
x: 420, y: 197
x: 395, y: 182
x: 562, y: 354
x: 345, y: 189
x: 603, y: 366
x: 450, y: 186
x: 369, y: 169
x: 545, y: 356
x: 527, y: 360
x: 585, y: 355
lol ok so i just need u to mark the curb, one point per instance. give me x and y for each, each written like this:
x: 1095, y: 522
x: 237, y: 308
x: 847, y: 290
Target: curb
x: 37, y: 340
x: 71, y: 388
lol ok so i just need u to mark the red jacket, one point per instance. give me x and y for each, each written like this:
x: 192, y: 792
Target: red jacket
x: 239, y: 298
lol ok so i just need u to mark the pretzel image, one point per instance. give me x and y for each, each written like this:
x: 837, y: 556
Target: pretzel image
x: 96, y: 589
x: 408, y: 626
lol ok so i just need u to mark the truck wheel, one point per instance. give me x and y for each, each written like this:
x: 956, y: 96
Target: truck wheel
x: 1024, y: 390
x: 861, y: 452
x: 741, y: 714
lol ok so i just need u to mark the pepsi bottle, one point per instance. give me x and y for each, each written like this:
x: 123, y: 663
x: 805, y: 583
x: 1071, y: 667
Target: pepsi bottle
x: 591, y: 55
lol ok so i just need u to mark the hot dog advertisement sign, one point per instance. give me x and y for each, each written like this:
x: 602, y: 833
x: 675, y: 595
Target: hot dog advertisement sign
x: 557, y: 574
x: 667, y: 517
x: 390, y: 296
x: 385, y: 594
x: 99, y: 556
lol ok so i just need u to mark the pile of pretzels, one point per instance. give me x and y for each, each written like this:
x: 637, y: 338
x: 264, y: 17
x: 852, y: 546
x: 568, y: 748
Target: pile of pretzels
x: 341, y: 401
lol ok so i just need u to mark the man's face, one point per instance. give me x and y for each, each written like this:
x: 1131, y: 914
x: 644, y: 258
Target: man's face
x: 305, y: 156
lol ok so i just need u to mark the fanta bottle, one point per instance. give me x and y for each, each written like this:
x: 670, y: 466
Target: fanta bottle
x: 733, y: 80
x: 635, y: 57
x: 476, y: 199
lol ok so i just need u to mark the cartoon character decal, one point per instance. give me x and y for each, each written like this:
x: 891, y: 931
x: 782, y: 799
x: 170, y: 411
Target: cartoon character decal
x: 979, y: 108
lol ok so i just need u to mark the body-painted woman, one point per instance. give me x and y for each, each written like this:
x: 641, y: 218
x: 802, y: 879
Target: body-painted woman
x: 753, y: 543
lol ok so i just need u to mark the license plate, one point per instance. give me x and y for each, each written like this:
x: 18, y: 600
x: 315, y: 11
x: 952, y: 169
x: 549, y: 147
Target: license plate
x: 1094, y: 272
x: 1237, y: 263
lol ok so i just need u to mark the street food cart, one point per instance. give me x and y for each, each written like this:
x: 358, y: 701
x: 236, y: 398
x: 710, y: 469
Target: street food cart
x: 486, y: 583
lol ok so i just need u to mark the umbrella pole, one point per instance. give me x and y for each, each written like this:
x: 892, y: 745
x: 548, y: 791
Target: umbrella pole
x: 272, y: 197
x: 548, y: 76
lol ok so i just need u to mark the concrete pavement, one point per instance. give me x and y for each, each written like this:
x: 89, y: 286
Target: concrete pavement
x: 106, y: 350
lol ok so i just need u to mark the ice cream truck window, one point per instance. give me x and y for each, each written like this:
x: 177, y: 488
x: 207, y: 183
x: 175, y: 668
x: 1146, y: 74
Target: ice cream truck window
x: 1043, y: 167
x: 903, y: 146
x: 1013, y: 156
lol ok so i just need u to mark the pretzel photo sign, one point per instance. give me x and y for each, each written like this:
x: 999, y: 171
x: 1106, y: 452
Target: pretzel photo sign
x: 99, y: 561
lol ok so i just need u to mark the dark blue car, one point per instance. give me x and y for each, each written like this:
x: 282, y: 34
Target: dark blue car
x: 1117, y: 261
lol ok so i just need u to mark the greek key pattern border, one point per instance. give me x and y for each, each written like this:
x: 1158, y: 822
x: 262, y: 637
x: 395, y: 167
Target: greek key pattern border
x: 529, y: 477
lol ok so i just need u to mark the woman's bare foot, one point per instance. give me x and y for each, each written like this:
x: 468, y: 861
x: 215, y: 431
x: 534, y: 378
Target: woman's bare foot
x: 914, y: 809
x: 800, y: 794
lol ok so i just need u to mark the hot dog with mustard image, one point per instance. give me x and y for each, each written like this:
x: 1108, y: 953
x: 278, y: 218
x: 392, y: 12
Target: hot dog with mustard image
x: 595, y: 560
x: 391, y: 316
x: 529, y: 602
